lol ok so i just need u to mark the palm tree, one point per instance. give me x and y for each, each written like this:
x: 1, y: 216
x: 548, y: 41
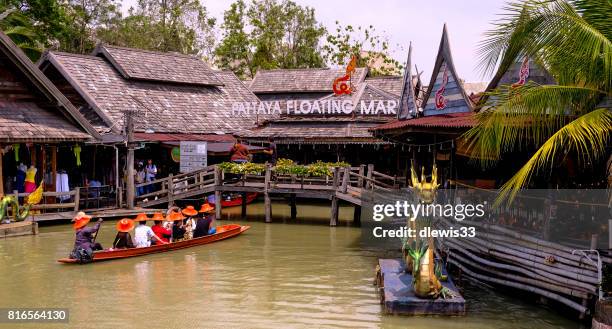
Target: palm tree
x: 571, y: 40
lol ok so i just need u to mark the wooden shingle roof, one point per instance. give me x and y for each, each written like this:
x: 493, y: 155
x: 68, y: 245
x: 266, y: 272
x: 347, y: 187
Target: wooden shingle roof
x: 163, y: 107
x: 300, y: 80
x: 32, y: 109
x: 408, y: 100
x: 138, y: 64
x: 453, y: 95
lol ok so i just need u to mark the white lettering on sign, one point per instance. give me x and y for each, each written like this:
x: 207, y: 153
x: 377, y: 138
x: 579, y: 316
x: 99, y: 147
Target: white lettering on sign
x: 305, y: 107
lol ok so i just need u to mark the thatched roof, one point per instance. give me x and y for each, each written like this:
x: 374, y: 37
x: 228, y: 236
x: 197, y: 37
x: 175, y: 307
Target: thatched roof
x: 32, y: 109
x: 110, y: 84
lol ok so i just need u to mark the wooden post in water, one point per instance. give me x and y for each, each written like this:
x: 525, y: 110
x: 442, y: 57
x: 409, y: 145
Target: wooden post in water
x: 243, y: 210
x: 333, y: 221
x: 129, y: 127
x: 218, y: 183
x: 267, y: 202
x: 293, y: 205
x: 357, y: 215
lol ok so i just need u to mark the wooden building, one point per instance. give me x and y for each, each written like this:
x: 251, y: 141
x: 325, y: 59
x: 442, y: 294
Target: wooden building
x: 432, y: 131
x: 38, y: 125
x: 173, y: 98
x: 327, y: 135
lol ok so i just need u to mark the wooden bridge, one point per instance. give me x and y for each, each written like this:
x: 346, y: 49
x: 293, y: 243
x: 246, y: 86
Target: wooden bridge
x: 346, y: 183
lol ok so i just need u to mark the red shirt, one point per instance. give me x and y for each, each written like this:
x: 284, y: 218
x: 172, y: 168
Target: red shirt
x: 239, y: 152
x: 161, y: 232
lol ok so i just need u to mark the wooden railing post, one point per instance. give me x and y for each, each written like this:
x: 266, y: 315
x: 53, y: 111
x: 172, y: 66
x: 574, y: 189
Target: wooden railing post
x: 361, y: 174
x: 77, y: 198
x: 369, y: 176
x: 336, y: 178
x: 345, y: 179
x: 170, y: 190
x: 267, y: 202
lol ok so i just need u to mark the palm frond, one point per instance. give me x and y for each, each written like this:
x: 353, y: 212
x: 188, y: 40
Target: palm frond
x: 525, y: 116
x: 587, y: 135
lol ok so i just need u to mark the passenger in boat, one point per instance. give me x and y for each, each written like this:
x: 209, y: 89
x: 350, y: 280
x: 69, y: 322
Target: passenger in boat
x: 178, y: 230
x: 85, y: 238
x: 144, y: 234
x: 123, y: 239
x: 190, y: 223
x: 203, y: 225
x: 162, y: 233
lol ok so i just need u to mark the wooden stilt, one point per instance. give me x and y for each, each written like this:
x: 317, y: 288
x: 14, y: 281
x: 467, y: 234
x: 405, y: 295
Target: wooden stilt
x: 267, y: 202
x: 357, y: 215
x: 243, y: 210
x: 293, y: 206
x: 333, y: 220
x: 334, y: 212
x: 218, y: 182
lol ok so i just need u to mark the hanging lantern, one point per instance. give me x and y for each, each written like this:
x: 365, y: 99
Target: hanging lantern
x: 77, y: 154
x: 16, y: 152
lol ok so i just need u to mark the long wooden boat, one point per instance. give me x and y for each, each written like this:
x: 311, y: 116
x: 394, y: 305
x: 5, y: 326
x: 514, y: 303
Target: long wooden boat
x: 223, y: 232
x: 235, y: 201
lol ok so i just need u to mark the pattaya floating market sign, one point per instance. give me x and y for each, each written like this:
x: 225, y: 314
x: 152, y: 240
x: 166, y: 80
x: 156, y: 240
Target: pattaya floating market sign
x: 314, y: 107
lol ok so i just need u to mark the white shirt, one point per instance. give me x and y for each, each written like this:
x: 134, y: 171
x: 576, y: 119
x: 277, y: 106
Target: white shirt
x: 142, y: 236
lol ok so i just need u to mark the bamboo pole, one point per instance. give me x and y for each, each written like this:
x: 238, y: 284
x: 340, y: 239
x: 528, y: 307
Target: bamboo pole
x: 544, y: 285
x: 524, y: 287
x: 549, y: 276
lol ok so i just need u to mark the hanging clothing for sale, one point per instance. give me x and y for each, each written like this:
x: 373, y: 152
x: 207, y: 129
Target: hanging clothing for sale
x: 61, y: 184
x: 30, y: 184
x: 20, y: 178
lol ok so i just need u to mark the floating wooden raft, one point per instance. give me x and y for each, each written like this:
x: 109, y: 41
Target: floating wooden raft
x: 397, y: 293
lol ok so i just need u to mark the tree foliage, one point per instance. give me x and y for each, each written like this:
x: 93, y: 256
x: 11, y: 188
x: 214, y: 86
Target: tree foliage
x: 269, y: 34
x: 372, y: 49
x: 182, y: 26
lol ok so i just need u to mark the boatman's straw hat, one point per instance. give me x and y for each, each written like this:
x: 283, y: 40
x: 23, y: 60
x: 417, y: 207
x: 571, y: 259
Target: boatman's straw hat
x: 206, y: 208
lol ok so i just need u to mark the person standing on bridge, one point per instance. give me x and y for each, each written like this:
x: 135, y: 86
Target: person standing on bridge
x: 150, y: 174
x: 239, y: 153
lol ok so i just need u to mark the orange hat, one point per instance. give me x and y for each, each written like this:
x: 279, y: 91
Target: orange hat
x: 141, y: 217
x: 125, y: 225
x: 174, y: 216
x: 79, y: 215
x: 80, y: 221
x: 207, y: 207
x: 190, y: 211
x: 157, y: 216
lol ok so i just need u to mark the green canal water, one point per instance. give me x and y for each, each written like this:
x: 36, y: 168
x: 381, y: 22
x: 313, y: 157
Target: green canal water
x: 280, y: 275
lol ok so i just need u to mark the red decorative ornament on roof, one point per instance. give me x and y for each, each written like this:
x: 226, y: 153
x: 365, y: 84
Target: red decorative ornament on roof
x: 440, y: 99
x: 523, y: 73
x: 342, y: 84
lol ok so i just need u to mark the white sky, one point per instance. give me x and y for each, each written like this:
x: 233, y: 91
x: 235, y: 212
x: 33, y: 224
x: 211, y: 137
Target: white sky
x: 403, y: 21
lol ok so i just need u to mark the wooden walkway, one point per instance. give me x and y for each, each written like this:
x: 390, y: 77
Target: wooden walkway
x: 347, y: 184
